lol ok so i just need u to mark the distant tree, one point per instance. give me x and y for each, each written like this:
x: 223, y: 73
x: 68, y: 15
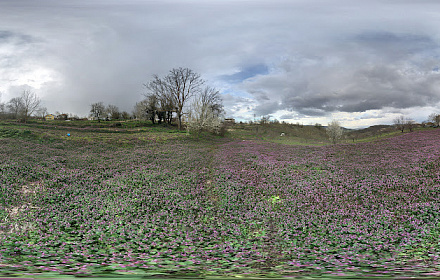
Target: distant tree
x: 334, y: 131
x: 125, y: 115
x: 146, y: 109
x: 113, y: 112
x: 31, y: 103
x: 400, y: 122
x: 3, y: 112
x: 435, y: 118
x: 15, y: 107
x: 140, y: 110
x: 97, y: 110
x: 42, y: 112
x: 318, y: 125
x: 410, y: 124
x: 2, y: 105
x: 264, y: 119
x: 73, y: 117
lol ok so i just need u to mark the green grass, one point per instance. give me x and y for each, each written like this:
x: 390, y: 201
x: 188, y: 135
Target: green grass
x: 16, y: 133
x: 120, y: 165
x: 293, y: 134
x: 311, y: 135
x: 124, y: 132
x: 89, y: 131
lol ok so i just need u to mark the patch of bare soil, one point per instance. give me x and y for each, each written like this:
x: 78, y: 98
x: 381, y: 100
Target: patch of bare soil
x: 12, y: 221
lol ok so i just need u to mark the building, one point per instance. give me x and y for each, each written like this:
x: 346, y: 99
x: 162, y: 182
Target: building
x: 49, y: 117
x: 229, y: 121
x: 62, y: 117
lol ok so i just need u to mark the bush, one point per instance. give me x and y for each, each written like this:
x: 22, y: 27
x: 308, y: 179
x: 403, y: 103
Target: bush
x: 334, y: 131
x: 202, y: 118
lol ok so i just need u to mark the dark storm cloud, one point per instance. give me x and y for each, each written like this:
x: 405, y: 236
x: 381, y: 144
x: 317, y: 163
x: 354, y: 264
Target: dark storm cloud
x: 6, y: 35
x: 246, y: 73
x: 266, y: 108
x: 374, y: 71
x: 369, y: 88
x: 10, y: 41
x: 17, y: 38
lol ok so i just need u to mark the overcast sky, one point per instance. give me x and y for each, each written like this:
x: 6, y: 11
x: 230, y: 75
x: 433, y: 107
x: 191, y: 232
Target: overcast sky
x: 360, y: 62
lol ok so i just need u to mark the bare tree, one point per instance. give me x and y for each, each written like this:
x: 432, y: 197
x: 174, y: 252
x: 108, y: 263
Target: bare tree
x: 265, y: 119
x: 42, y: 112
x: 140, y: 110
x: 15, y: 107
x: 2, y: 108
x: 125, y: 115
x: 210, y: 97
x: 399, y: 123
x: 113, y: 112
x: 160, y: 99
x: 147, y: 108
x: 410, y: 124
x: 97, y: 110
x: 31, y: 103
x: 334, y: 131
x: 172, y: 93
x: 182, y: 84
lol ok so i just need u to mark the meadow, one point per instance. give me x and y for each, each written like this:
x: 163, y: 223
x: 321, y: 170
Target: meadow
x: 154, y: 202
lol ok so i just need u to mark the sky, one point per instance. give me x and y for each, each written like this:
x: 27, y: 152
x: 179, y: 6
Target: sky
x: 300, y: 61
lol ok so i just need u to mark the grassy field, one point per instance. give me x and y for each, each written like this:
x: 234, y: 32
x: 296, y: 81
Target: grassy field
x: 135, y: 200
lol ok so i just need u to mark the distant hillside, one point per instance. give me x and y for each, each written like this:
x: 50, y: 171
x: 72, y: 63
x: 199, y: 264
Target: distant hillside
x: 294, y: 134
x: 372, y: 131
x: 281, y: 133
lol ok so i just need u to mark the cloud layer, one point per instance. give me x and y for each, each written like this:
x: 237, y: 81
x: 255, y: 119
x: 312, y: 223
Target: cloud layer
x: 308, y: 61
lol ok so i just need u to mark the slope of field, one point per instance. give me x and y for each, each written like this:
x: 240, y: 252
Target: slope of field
x: 179, y: 206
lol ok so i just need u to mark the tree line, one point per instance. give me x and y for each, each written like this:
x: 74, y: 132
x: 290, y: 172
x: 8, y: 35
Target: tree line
x: 23, y: 107
x: 180, y: 96
x: 99, y: 112
x: 401, y: 123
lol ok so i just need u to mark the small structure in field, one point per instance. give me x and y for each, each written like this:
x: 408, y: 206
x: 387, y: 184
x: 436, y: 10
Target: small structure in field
x: 49, y: 117
x: 229, y: 121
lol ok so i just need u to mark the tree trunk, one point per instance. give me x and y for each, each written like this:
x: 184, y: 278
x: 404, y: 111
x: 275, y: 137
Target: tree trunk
x: 179, y: 124
x: 170, y: 117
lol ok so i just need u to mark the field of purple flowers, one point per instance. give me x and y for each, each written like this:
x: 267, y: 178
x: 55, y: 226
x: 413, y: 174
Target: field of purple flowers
x: 220, y: 207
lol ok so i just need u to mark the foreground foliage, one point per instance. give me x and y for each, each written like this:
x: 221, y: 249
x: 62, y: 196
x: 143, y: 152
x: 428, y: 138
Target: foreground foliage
x: 219, y: 207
